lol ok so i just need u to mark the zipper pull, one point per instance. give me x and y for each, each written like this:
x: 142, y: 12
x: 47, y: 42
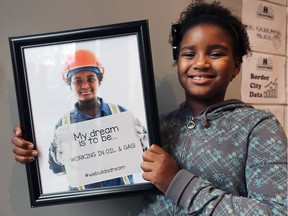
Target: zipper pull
x: 191, y: 124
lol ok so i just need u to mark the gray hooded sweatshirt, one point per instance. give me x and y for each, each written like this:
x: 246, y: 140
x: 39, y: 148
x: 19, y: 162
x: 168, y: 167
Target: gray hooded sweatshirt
x: 233, y: 161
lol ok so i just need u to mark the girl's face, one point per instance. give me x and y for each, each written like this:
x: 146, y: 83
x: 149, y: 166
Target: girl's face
x: 85, y: 84
x: 206, y: 63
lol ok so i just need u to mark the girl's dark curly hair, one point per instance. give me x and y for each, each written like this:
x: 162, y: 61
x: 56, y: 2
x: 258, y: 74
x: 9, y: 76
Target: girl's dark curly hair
x: 202, y: 12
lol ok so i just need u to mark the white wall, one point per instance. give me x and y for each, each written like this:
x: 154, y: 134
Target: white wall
x: 40, y: 16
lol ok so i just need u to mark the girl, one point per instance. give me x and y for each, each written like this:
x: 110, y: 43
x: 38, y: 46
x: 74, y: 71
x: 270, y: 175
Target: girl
x: 84, y: 74
x: 217, y: 157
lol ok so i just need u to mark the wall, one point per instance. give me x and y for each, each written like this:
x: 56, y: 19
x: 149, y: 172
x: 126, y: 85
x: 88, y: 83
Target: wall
x: 39, y: 16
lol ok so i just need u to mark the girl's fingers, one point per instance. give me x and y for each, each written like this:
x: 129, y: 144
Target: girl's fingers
x: 22, y: 159
x: 146, y: 166
x: 24, y: 152
x: 17, y: 131
x: 24, y: 155
x: 21, y: 143
x: 152, y: 153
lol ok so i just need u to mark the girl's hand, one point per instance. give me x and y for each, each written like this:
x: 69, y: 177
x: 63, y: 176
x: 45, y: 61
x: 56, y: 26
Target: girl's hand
x: 22, y: 149
x: 159, y: 167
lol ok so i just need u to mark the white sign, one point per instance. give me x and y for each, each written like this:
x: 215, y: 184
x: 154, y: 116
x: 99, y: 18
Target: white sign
x: 100, y: 149
x: 263, y: 79
x: 266, y: 26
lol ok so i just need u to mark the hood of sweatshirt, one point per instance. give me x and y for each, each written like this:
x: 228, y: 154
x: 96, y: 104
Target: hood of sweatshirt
x: 212, y: 112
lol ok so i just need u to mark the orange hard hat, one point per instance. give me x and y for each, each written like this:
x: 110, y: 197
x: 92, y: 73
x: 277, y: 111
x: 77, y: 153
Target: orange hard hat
x: 82, y: 60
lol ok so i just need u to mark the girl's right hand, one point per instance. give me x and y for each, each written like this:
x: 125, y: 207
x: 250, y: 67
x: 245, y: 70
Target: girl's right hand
x: 24, y: 151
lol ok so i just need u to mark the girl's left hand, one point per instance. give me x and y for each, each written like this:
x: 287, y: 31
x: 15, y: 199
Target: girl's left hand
x: 159, y: 167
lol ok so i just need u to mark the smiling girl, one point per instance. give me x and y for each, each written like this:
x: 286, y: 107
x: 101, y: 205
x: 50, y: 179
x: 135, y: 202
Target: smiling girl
x: 217, y: 157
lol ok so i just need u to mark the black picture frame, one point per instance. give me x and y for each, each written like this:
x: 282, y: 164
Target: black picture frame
x: 29, y: 116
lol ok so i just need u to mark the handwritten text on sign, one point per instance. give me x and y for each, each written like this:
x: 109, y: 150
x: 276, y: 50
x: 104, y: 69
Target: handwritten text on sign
x: 100, y: 149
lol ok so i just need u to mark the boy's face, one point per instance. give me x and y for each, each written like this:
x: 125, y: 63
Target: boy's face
x: 206, y: 63
x: 85, y: 85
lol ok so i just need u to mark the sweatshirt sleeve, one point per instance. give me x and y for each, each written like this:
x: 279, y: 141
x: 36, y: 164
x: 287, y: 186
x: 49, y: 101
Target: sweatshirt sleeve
x: 265, y: 176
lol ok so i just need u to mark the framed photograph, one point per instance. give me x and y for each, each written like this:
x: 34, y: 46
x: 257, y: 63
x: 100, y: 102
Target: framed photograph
x: 86, y: 99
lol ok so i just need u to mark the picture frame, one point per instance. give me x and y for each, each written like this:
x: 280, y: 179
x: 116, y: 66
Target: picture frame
x: 43, y: 98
